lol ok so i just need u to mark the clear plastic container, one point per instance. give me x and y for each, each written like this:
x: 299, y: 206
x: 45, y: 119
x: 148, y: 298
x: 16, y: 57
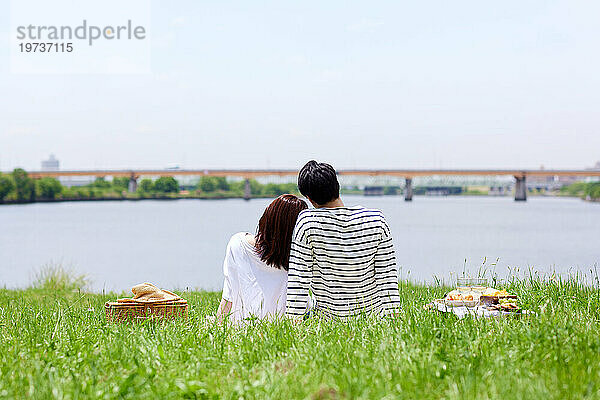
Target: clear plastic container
x: 472, y: 287
x: 471, y: 282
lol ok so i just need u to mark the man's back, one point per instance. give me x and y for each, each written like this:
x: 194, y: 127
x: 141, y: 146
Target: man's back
x: 345, y: 256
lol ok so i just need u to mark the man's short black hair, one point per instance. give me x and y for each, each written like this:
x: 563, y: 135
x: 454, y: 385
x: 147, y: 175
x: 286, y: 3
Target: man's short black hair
x: 318, y: 182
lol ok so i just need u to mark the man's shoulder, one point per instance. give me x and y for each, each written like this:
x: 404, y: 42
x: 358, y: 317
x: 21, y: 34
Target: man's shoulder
x: 361, y: 212
x: 368, y: 211
x: 305, y: 218
x: 322, y: 215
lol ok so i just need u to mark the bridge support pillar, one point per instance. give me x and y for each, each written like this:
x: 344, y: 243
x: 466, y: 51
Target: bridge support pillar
x: 408, y: 190
x: 247, y: 190
x: 520, y: 188
x: 132, y: 187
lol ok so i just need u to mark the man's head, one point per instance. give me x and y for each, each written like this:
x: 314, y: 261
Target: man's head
x: 318, y: 182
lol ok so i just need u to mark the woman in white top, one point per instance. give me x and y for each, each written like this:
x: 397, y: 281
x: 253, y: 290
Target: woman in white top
x: 255, y: 266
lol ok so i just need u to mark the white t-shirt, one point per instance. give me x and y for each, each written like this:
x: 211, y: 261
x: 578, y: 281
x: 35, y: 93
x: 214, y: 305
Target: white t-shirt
x: 255, y: 288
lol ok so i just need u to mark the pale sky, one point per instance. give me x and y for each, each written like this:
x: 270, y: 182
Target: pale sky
x: 377, y: 84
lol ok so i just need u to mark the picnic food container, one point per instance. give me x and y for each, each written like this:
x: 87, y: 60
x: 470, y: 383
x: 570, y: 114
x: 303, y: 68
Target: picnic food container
x: 488, y: 300
x: 471, y: 283
x: 148, y: 302
x: 471, y: 293
x: 124, y: 312
x: 493, y: 300
x: 458, y: 303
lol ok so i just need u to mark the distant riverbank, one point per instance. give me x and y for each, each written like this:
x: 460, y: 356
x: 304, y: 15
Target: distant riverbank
x: 133, y: 197
x: 125, y: 196
x: 18, y: 188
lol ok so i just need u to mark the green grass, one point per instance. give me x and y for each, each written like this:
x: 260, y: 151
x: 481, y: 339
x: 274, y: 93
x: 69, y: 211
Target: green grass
x: 54, y: 276
x: 57, y: 344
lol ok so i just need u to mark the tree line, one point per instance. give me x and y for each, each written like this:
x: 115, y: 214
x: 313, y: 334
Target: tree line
x: 586, y: 190
x: 19, y: 187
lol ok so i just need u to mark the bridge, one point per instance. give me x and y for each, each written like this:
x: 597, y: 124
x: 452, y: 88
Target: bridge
x: 407, y: 174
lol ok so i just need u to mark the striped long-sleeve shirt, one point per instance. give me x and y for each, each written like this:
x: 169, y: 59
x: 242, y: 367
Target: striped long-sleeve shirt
x: 345, y: 257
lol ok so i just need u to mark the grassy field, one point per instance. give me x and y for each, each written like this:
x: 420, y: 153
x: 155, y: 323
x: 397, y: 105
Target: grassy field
x: 57, y: 344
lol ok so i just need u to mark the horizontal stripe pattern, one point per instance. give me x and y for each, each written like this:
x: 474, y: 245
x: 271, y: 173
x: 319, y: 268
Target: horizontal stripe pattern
x: 345, y: 257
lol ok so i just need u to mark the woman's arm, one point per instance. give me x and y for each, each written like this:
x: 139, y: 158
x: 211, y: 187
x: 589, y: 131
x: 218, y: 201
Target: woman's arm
x: 230, y: 283
x: 224, y: 309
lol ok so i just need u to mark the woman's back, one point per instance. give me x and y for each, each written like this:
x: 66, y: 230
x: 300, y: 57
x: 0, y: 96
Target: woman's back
x: 254, y: 288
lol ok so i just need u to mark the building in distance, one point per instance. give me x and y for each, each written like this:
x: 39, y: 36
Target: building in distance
x: 51, y: 164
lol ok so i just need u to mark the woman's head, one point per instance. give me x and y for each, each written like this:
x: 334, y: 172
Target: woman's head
x: 275, y: 228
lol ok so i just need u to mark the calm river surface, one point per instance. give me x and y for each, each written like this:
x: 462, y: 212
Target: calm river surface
x: 179, y: 244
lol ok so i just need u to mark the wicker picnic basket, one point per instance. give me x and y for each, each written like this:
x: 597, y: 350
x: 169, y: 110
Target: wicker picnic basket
x: 130, y: 311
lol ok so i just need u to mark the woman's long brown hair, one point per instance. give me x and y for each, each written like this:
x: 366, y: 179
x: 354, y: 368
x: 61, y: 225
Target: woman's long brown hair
x: 275, y: 228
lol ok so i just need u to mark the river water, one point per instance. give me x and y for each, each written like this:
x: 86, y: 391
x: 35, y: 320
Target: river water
x: 181, y: 244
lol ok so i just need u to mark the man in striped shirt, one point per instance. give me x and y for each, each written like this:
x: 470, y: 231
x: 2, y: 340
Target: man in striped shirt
x: 343, y: 255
